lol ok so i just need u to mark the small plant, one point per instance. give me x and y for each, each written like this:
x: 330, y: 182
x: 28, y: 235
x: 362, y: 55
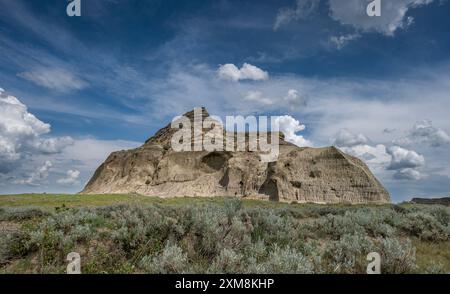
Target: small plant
x: 426, y: 226
x: 398, y: 256
x: 172, y: 260
x: 227, y: 262
x: 12, y: 245
x: 288, y: 261
x: 348, y: 255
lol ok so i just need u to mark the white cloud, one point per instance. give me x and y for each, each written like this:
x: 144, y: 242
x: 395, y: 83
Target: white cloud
x: 52, y: 145
x: 290, y: 127
x: 424, y: 132
x: 258, y: 97
x: 302, y: 9
x: 294, y: 99
x: 71, y: 177
x: 408, y: 174
x: 375, y: 156
x: 359, y: 146
x: 345, y: 138
x: 54, y: 79
x: 393, y: 14
x: 341, y: 41
x: 404, y: 158
x: 21, y: 133
x: 246, y: 72
x: 37, y: 177
x: 405, y: 163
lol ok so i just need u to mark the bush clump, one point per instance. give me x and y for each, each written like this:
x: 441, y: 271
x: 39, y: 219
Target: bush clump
x: 171, y: 260
x: 22, y: 213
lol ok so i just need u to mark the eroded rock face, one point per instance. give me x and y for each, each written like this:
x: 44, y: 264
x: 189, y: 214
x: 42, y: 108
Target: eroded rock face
x: 320, y: 175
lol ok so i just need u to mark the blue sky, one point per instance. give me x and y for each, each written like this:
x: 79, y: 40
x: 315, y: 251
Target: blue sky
x: 376, y: 87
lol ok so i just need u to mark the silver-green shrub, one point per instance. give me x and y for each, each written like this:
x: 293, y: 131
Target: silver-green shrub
x: 171, y: 260
x: 398, y: 256
x: 287, y: 261
x: 348, y: 255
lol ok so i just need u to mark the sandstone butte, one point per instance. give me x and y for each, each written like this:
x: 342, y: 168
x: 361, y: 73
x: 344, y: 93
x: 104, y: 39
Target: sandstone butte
x: 303, y: 175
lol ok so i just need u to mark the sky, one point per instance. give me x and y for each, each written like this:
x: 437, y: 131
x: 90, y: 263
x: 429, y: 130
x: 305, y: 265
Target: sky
x: 74, y: 89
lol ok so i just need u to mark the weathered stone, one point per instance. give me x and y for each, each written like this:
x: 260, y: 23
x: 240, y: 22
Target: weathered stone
x: 319, y: 175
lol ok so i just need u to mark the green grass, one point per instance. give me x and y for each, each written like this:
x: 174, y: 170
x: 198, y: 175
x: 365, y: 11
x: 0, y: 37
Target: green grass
x: 70, y: 201
x: 79, y: 200
x: 57, y: 200
x: 431, y: 254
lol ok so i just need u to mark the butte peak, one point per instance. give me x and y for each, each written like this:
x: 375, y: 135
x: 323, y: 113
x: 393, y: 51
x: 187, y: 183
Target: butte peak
x: 317, y: 175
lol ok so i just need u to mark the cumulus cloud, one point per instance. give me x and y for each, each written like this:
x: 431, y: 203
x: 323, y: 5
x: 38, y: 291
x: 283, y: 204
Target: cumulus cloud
x: 375, y: 156
x: 409, y: 174
x: 393, y: 14
x: 341, y: 41
x: 359, y: 146
x: 345, y: 138
x: 290, y: 127
x: 405, y: 163
x: 404, y: 158
x: 21, y: 134
x: 54, y: 79
x: 424, y: 132
x: 294, y: 99
x: 246, y: 72
x: 301, y: 10
x: 52, y: 145
x: 37, y: 177
x: 71, y: 177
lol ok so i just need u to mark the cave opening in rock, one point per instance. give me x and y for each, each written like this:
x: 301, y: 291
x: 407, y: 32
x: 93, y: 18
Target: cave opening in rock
x: 215, y: 160
x: 270, y: 188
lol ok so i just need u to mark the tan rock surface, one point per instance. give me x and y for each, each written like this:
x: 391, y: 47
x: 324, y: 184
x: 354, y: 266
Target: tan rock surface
x: 320, y: 175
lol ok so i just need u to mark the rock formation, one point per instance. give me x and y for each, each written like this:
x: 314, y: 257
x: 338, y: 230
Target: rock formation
x: 432, y: 201
x: 319, y: 175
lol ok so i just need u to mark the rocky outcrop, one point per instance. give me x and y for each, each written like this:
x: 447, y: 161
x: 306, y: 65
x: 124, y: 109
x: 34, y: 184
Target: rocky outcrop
x: 432, y: 201
x: 320, y: 175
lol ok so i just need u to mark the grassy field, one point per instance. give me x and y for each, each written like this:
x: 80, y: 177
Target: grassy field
x: 139, y: 234
x: 50, y: 201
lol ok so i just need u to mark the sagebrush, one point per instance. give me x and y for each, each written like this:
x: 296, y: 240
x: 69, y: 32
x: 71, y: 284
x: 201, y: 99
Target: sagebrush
x: 213, y: 238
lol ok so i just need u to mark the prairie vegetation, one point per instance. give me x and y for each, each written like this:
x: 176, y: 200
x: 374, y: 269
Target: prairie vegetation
x: 134, y: 234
